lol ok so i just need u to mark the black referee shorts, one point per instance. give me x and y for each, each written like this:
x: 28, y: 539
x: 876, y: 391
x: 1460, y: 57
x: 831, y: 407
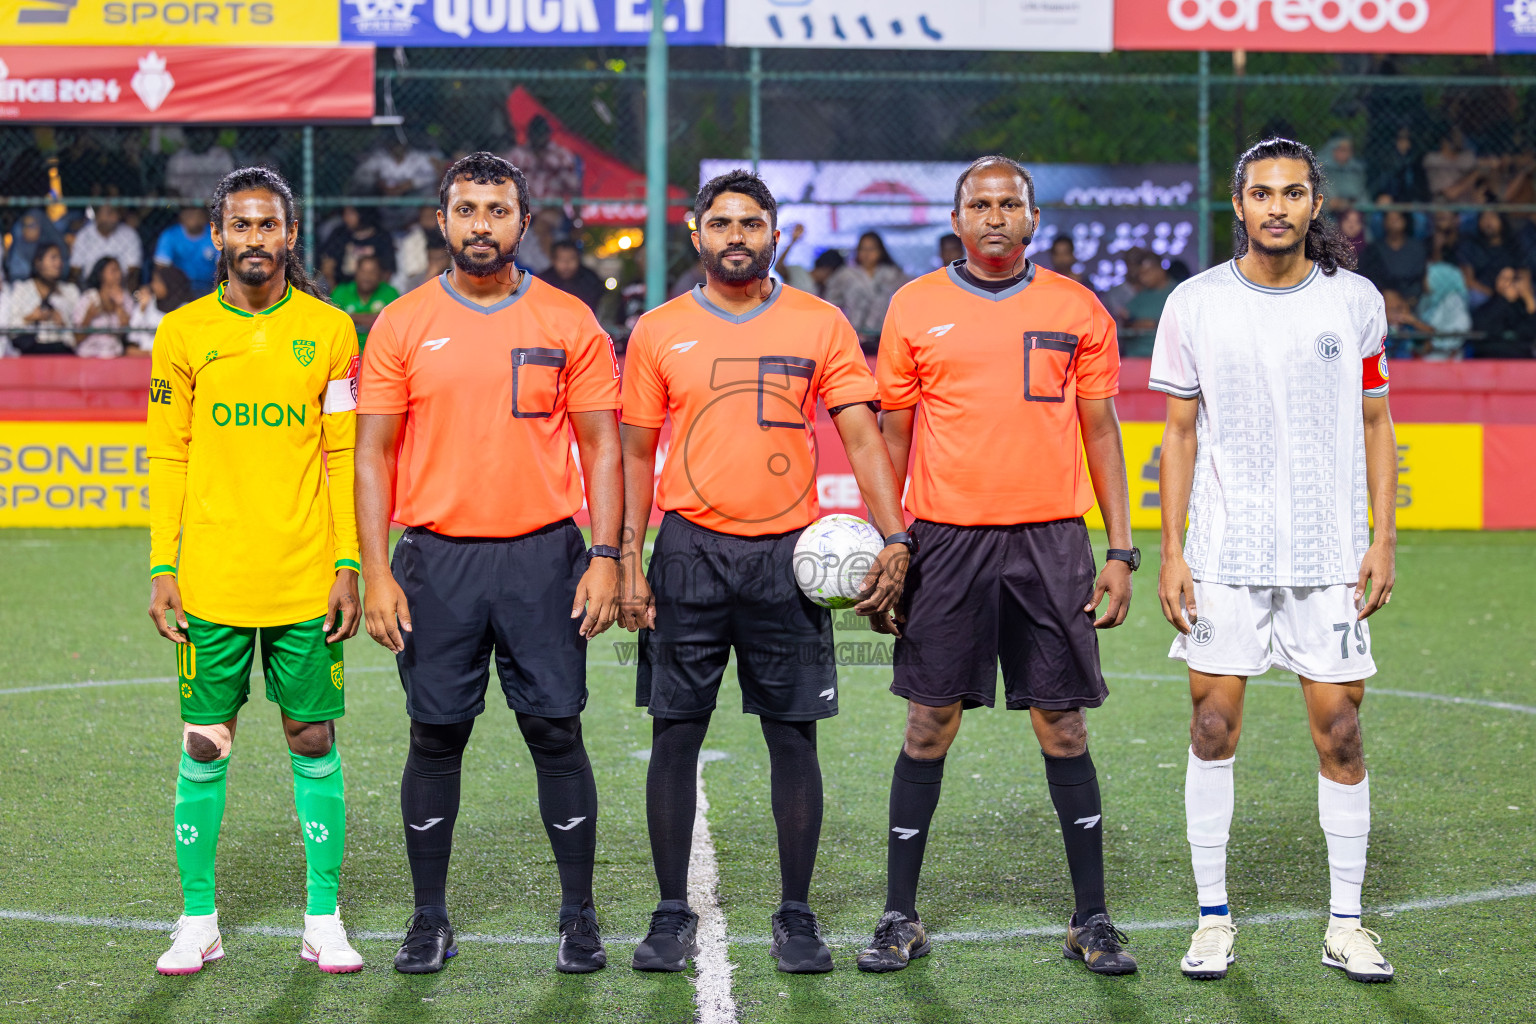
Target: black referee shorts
x: 469, y: 596
x: 977, y: 594
x: 715, y: 591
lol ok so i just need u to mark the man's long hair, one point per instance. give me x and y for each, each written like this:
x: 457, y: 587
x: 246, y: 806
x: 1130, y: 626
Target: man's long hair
x: 1324, y: 243
x: 261, y: 179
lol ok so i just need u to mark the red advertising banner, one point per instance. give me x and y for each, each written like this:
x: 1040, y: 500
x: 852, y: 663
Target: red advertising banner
x: 183, y: 84
x: 1307, y: 26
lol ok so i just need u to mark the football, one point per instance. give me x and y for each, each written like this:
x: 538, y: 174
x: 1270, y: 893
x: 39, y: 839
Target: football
x: 833, y: 556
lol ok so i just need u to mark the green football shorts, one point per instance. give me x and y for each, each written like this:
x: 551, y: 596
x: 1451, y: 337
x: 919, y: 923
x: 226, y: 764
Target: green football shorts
x: 304, y: 673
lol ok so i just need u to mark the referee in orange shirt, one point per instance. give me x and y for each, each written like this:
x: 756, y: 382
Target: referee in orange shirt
x: 471, y: 386
x: 738, y: 365
x: 998, y: 376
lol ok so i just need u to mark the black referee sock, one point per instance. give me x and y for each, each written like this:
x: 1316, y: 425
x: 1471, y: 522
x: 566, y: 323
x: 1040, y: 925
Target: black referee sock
x: 671, y: 797
x: 1075, y: 792
x: 914, y: 797
x: 567, y: 800
x: 795, y: 775
x: 429, y: 803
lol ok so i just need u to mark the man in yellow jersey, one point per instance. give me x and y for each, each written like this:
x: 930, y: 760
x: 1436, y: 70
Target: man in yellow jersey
x: 251, y: 427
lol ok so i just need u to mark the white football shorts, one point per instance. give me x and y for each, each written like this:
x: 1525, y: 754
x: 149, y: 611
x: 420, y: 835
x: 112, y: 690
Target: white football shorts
x: 1244, y: 631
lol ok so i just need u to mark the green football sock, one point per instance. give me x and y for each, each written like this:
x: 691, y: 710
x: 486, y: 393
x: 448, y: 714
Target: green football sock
x: 322, y: 807
x: 199, y: 811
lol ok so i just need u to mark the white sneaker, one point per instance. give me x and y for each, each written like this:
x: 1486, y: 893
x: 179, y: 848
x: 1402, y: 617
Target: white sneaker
x: 326, y: 945
x: 1210, y: 948
x: 194, y: 941
x: 1352, y: 949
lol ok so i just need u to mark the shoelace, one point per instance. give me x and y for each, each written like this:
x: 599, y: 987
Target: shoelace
x: 1211, y: 940
x: 582, y: 931
x: 1101, y: 935
x: 795, y: 924
x: 421, y: 931
x: 181, y: 937
x: 885, y: 932
x: 670, y: 922
x: 1351, y: 946
x: 331, y: 932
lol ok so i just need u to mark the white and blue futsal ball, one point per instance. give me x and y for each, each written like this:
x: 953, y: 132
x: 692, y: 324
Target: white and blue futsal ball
x: 833, y: 556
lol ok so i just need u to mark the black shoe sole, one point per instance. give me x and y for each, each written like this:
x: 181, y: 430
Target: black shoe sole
x: 427, y: 968
x: 1070, y: 954
x: 586, y: 968
x: 820, y: 965
x: 660, y: 965
x: 882, y: 968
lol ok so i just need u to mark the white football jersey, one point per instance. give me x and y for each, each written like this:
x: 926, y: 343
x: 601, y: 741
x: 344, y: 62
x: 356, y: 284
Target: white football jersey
x: 1279, y: 495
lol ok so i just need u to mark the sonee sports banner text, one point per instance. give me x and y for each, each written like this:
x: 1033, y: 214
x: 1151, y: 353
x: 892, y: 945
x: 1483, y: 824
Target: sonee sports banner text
x: 167, y: 22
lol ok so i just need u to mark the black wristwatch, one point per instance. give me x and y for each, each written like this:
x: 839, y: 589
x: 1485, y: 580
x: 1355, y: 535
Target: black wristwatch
x: 1131, y: 557
x: 604, y: 551
x: 903, y: 537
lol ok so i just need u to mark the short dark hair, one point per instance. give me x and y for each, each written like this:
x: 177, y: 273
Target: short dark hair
x: 1063, y: 240
x: 484, y: 168
x: 741, y: 181
x: 368, y: 256
x: 565, y: 243
x: 830, y: 259
x: 987, y: 161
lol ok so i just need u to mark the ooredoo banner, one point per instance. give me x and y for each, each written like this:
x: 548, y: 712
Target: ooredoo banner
x: 1302, y: 26
x: 922, y: 24
x: 167, y: 22
x: 185, y: 84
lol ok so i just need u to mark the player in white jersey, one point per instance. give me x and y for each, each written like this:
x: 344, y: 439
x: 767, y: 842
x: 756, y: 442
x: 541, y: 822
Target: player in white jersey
x: 1278, y: 440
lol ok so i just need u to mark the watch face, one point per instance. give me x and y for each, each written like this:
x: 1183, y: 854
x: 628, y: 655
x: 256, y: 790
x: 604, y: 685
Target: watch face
x: 1135, y: 559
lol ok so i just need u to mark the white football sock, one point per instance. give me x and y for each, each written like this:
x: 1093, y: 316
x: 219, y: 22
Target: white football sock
x: 1345, y: 814
x: 1208, y: 798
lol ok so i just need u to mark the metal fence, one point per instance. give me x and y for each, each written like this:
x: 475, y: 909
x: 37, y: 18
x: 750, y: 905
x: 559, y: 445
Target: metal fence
x: 1110, y: 109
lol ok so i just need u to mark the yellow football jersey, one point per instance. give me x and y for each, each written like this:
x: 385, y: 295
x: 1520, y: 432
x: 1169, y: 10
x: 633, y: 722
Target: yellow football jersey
x: 252, y: 423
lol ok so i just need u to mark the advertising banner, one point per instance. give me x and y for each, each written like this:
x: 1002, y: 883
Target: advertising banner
x: 1514, y: 29
x: 74, y: 474
x: 185, y: 84
x: 909, y: 204
x: 167, y: 22
x: 922, y: 24
x: 528, y: 22
x: 1308, y: 26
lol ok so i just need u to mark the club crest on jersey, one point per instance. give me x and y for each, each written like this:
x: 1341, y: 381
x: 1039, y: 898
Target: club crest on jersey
x: 304, y: 351
x: 1328, y: 346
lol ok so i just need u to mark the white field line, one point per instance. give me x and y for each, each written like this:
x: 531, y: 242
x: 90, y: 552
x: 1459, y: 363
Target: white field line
x: 1506, y: 892
x: 712, y: 967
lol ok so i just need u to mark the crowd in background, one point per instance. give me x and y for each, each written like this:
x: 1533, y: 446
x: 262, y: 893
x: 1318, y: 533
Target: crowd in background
x: 96, y: 281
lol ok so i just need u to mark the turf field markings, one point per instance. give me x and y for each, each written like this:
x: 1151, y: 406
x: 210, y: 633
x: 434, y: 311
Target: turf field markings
x: 712, y: 967
x: 1493, y: 895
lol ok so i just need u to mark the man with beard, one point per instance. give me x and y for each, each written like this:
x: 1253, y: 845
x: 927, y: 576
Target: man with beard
x: 251, y: 428
x: 738, y: 364
x: 999, y: 376
x: 484, y: 373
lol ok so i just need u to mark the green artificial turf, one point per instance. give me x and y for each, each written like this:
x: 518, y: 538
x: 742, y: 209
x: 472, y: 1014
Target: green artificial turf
x: 87, y: 775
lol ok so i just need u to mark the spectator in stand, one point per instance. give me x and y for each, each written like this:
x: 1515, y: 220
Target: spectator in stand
x: 1345, y: 173
x: 364, y: 297
x: 398, y: 169
x: 106, y: 309
x: 1445, y: 236
x: 105, y: 234
x: 413, y: 250
x: 1118, y: 298
x: 1397, y: 261
x: 1064, y: 260
x: 546, y: 228
x: 687, y: 280
x: 36, y: 313
x: 31, y: 232
x: 358, y: 235
x: 1507, y: 321
x: 553, y: 171
x: 950, y: 249
x: 863, y: 289
x: 1402, y: 177
x: 1352, y: 227
x: 1406, y: 333
x: 815, y: 279
x: 192, y: 172
x: 571, y: 276
x: 1146, y: 306
x: 167, y: 290
x: 1451, y: 171
x: 1490, y: 249
x: 187, y: 246
x: 1443, y: 310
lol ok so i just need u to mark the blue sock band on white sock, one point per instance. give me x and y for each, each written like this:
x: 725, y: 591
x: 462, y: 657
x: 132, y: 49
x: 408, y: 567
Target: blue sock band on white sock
x: 1208, y: 911
x: 1342, y: 917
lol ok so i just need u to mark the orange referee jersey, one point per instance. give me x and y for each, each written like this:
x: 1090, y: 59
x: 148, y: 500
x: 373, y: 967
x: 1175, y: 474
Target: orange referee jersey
x: 487, y: 392
x: 741, y: 391
x: 996, y: 378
